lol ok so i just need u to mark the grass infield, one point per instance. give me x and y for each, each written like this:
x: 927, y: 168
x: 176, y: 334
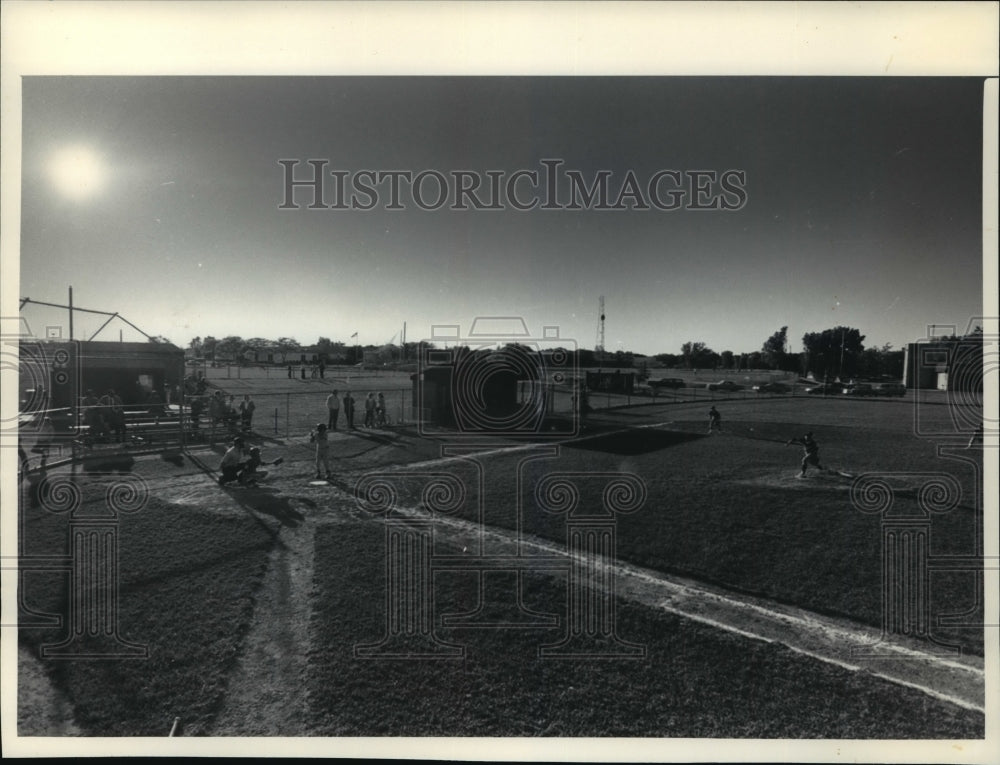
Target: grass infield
x: 725, y: 509
x: 693, y: 682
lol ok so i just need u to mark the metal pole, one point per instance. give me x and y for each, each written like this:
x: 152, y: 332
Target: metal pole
x: 70, y: 313
x: 288, y: 397
x: 180, y: 418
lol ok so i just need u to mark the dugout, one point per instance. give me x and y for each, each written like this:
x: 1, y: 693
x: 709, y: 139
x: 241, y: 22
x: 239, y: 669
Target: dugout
x: 447, y: 397
x: 611, y: 382
x: 138, y: 372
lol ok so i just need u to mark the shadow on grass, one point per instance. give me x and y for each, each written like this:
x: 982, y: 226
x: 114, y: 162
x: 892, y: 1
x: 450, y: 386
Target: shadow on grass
x: 633, y: 442
x: 258, y: 500
x: 220, y: 561
x: 267, y: 501
x: 104, y: 463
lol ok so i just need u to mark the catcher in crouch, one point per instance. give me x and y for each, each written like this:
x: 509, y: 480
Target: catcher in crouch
x: 250, y: 475
x: 811, y: 456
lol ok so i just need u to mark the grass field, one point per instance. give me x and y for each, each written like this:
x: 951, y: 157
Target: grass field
x: 206, y: 572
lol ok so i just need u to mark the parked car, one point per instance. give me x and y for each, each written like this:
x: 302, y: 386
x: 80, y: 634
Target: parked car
x: 825, y: 389
x: 667, y: 382
x: 858, y: 389
x: 890, y: 389
x: 725, y: 385
x: 773, y: 387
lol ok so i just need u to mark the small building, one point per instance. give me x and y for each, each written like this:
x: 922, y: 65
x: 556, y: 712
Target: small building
x: 137, y: 372
x: 611, y: 381
x: 950, y: 365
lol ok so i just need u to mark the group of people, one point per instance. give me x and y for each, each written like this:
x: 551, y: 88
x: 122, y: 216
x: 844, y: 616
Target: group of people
x: 104, y: 415
x: 225, y: 411
x: 375, y: 415
x: 316, y: 370
x: 240, y: 464
x: 195, y: 384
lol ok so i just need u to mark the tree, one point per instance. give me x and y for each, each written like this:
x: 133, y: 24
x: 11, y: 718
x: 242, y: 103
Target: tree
x: 287, y: 344
x: 881, y: 362
x: 775, y: 349
x: 233, y: 345
x: 726, y: 358
x: 834, y: 352
x: 696, y: 355
x: 208, y: 347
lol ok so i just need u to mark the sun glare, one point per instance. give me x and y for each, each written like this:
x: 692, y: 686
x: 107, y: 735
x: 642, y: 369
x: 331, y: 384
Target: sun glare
x: 77, y: 172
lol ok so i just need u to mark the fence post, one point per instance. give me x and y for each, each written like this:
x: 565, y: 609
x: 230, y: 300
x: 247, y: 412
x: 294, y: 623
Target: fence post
x: 180, y: 416
x: 287, y: 403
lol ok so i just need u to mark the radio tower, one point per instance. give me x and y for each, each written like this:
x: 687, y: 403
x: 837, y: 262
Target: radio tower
x: 600, y: 330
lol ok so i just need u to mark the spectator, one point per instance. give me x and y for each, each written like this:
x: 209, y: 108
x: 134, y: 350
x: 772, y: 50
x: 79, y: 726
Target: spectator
x: 333, y: 410
x: 380, y: 410
x: 197, y: 406
x: 247, y: 407
x: 154, y: 405
x: 216, y: 408
x: 92, y: 415
x: 349, y: 409
x: 114, y: 412
x: 370, y: 411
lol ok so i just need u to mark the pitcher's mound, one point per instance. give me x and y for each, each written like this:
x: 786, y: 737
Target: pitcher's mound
x: 792, y: 479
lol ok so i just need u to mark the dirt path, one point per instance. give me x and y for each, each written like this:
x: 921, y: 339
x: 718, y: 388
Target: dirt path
x: 268, y: 694
x: 268, y: 691
x: 42, y: 710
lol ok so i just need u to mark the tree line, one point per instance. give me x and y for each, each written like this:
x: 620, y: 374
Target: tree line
x: 835, y: 352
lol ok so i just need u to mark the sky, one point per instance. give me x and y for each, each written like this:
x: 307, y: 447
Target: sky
x: 160, y: 198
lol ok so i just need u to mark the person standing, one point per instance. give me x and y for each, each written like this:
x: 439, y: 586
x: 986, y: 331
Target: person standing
x: 333, y: 409
x: 370, y: 410
x: 380, y: 413
x: 247, y: 407
x: 196, y: 407
x: 811, y: 455
x: 216, y: 408
x: 319, y: 437
x: 114, y: 413
x: 349, y: 409
x: 714, y: 420
x: 92, y: 415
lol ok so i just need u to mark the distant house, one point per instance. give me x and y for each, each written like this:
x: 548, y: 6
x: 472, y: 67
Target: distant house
x: 274, y: 355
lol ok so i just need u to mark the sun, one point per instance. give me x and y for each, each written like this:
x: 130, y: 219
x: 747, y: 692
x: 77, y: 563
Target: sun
x: 77, y: 172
